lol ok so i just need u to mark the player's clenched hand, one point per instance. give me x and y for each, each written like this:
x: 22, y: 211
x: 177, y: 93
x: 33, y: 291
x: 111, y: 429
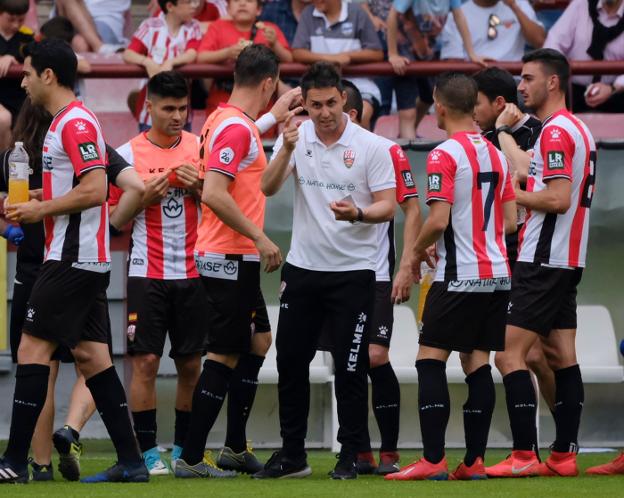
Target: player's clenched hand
x: 289, y: 103
x: 421, y: 255
x: 25, y: 212
x: 36, y: 193
x: 290, y: 135
x: 270, y: 254
x: 344, y: 211
x: 156, y: 189
x: 188, y: 176
x: 510, y: 116
x: 402, y: 285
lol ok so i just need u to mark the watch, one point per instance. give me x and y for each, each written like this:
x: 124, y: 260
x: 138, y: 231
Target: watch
x: 359, y: 217
x: 504, y: 129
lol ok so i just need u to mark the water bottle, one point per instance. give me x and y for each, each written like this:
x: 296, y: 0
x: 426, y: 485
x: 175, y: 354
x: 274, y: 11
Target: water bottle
x: 426, y: 279
x: 19, y: 168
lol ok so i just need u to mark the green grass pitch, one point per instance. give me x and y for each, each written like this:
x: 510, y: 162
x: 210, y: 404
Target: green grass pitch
x: 99, y: 455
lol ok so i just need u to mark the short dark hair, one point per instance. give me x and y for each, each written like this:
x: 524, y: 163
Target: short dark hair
x: 554, y: 62
x: 457, y: 91
x: 354, y: 99
x: 167, y: 84
x: 15, y: 7
x: 58, y: 27
x: 254, y: 64
x: 321, y: 75
x: 56, y: 55
x: 163, y: 4
x: 496, y: 82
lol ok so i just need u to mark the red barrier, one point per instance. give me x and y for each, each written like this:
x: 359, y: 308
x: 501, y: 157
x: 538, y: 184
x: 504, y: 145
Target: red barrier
x: 375, y: 69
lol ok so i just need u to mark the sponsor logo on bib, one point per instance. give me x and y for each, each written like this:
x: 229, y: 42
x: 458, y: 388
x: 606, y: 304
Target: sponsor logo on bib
x: 217, y: 268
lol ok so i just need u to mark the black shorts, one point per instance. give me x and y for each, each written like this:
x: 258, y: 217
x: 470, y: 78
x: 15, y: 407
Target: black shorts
x: 236, y: 307
x: 380, y: 331
x: 543, y: 298
x: 157, y: 307
x: 68, y: 305
x: 464, y: 321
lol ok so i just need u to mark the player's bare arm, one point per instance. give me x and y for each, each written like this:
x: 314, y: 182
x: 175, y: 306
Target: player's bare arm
x: 381, y: 210
x: 510, y: 215
x: 216, y: 196
x: 90, y: 192
x: 280, y: 166
x: 432, y: 230
x: 555, y: 198
x: 131, y: 201
x: 403, y: 280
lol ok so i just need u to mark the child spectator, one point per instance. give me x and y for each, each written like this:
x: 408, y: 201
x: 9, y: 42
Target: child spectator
x: 340, y: 32
x: 161, y: 43
x: 226, y: 38
x: 61, y: 28
x: 205, y: 12
x: 13, y: 38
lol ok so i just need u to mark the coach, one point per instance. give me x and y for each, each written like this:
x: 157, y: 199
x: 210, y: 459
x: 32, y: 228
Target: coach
x: 344, y: 184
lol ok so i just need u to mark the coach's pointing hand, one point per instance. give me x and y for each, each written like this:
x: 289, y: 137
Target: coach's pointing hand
x: 291, y: 133
x: 270, y: 254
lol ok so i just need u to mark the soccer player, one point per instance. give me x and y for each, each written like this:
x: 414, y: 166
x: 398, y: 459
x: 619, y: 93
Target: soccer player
x: 389, y: 290
x: 553, y: 247
x: 472, y: 205
x: 231, y: 247
x: 68, y: 303
x: 165, y: 294
x: 515, y: 133
x: 344, y: 186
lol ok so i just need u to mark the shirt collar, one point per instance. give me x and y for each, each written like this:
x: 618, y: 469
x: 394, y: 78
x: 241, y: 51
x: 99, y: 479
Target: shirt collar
x: 344, y: 13
x: 520, y: 123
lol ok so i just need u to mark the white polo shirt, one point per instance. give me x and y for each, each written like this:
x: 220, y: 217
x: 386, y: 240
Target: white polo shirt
x: 357, y: 165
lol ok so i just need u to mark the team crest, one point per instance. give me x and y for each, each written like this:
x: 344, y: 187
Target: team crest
x: 348, y: 157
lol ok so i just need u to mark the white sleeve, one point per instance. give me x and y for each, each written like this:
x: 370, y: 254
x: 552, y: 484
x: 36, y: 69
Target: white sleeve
x: 451, y: 41
x: 125, y: 151
x: 265, y: 122
x: 380, y: 170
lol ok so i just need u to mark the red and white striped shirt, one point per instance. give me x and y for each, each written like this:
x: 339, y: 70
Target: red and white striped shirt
x: 472, y: 175
x: 405, y: 189
x: 73, y: 146
x: 154, y: 40
x: 164, y: 234
x: 564, y: 149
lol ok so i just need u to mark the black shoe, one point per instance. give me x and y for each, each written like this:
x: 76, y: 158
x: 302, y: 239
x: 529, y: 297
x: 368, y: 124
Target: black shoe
x: 41, y: 472
x: 69, y: 450
x: 10, y: 473
x: 120, y: 473
x: 280, y: 466
x: 346, y: 467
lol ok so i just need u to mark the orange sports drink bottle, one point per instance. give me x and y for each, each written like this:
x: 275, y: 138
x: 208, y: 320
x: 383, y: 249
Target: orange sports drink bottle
x: 426, y: 279
x: 19, y: 169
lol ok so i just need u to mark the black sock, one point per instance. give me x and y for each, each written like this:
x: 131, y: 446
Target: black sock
x: 521, y: 406
x: 568, y: 406
x: 182, y: 421
x: 386, y: 397
x: 31, y: 388
x: 434, y: 407
x: 243, y: 387
x: 145, y: 429
x: 478, y: 411
x: 208, y: 397
x: 74, y: 432
x: 110, y: 401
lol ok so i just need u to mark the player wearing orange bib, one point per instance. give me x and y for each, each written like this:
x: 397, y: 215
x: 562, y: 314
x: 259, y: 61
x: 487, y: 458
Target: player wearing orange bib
x: 230, y: 248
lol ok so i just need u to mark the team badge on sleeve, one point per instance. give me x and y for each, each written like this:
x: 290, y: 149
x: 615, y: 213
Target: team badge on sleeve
x: 556, y: 159
x: 88, y: 151
x: 435, y: 182
x: 408, y: 180
x: 226, y: 155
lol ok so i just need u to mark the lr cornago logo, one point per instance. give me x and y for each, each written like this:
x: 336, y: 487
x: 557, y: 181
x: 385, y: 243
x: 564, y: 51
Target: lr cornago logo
x: 435, y: 182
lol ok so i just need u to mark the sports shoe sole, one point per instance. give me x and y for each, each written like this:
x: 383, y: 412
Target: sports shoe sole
x: 68, y: 466
x: 300, y: 474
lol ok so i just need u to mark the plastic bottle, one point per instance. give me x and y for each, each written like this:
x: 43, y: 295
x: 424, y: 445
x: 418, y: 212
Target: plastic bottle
x: 426, y: 279
x: 18, y: 174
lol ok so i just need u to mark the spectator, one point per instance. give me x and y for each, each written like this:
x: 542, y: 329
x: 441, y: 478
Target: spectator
x: 286, y: 14
x: 423, y: 21
x: 99, y: 22
x: 499, y: 28
x: 13, y: 38
x: 162, y: 43
x: 205, y: 12
x: 340, y: 32
x: 226, y: 38
x: 406, y: 88
x: 60, y: 27
x: 592, y: 30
